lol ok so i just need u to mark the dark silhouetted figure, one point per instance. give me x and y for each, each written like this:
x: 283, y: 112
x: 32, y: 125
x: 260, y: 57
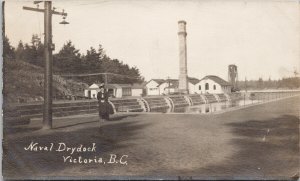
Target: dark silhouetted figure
x: 102, y: 97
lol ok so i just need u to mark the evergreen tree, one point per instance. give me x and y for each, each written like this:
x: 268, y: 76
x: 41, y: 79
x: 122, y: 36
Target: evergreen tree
x: 260, y: 83
x: 20, y: 51
x: 34, y: 53
x: 68, y: 59
x: 8, y: 50
x: 101, y: 52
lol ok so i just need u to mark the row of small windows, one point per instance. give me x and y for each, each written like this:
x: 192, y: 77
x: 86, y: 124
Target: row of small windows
x: 207, y: 87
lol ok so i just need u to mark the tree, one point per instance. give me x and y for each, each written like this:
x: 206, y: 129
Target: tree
x: 8, y: 50
x: 92, y: 60
x: 68, y: 59
x: 20, y: 51
x: 101, y: 52
x: 34, y: 53
x: 260, y: 83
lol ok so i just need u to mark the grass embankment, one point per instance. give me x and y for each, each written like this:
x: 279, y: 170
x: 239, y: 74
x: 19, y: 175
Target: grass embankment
x: 24, y: 82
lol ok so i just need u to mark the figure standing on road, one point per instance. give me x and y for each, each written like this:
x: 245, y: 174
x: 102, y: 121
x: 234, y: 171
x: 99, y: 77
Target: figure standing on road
x: 102, y: 97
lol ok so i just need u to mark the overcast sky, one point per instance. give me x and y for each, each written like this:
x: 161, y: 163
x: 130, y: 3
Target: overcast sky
x: 260, y: 37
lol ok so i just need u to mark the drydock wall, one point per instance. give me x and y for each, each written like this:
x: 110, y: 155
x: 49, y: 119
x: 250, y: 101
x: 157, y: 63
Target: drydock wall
x: 23, y: 112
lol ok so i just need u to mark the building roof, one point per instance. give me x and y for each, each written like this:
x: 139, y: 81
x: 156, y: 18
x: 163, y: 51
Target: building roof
x: 92, y: 89
x: 174, y: 82
x: 193, y: 80
x: 159, y: 81
x: 112, y: 86
x: 217, y: 80
x: 172, y: 87
x: 115, y: 86
x: 118, y: 86
x: 138, y: 86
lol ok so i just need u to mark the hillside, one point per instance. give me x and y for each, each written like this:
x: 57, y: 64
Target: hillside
x: 24, y: 82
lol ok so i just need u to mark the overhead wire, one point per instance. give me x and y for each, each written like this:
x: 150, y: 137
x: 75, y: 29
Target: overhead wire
x: 94, y: 74
x: 90, y: 3
x: 90, y: 74
x: 39, y: 34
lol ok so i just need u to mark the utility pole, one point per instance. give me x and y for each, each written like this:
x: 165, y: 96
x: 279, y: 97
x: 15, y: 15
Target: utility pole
x: 246, y: 84
x: 168, y: 85
x: 48, y: 48
x: 3, y: 22
x: 47, y: 121
x: 105, y: 76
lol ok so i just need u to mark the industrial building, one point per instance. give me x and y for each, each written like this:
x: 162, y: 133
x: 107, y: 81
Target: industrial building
x: 233, y: 77
x: 212, y: 84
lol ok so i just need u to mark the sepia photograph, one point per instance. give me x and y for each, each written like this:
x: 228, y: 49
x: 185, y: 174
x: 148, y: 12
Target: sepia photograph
x: 151, y: 90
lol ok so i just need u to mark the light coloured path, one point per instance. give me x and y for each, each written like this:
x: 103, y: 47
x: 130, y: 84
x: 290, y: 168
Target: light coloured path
x: 256, y: 142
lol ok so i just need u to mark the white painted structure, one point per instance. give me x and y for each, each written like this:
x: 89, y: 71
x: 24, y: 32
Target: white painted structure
x: 137, y: 90
x: 169, y: 86
x: 114, y: 90
x: 92, y: 91
x: 152, y: 87
x: 213, y: 85
x: 192, y: 88
x: 192, y: 85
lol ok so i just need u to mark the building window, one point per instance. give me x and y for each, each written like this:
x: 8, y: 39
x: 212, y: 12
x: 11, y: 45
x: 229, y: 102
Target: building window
x: 206, y: 86
x: 214, y: 87
x: 199, y: 87
x: 126, y: 92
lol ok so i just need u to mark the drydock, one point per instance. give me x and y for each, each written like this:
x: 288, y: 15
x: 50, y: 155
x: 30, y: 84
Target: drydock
x: 195, y: 103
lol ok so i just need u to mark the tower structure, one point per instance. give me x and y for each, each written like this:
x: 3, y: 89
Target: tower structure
x: 183, y: 76
x: 233, y: 76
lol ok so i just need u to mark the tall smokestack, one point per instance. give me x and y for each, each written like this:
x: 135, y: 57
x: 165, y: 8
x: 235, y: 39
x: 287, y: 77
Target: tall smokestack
x: 183, y: 77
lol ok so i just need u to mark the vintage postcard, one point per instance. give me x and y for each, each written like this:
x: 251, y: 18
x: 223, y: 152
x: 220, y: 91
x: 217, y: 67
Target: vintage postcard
x: 151, y: 89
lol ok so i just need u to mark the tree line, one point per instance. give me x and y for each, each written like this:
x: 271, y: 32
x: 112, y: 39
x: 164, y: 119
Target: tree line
x: 70, y: 61
x: 284, y: 83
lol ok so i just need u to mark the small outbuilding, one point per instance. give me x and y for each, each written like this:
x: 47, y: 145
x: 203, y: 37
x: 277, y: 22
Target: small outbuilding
x: 115, y: 90
x: 137, y: 90
x: 168, y: 86
x: 152, y: 87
